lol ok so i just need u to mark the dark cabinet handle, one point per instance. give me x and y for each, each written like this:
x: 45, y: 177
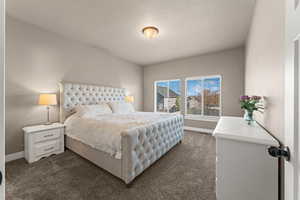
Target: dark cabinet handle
x: 280, y: 152
x: 1, y: 178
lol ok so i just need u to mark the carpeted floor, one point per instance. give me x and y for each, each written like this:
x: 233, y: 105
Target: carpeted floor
x: 186, y: 172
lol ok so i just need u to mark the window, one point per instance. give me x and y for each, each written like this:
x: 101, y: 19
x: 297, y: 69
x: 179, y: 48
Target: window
x: 167, y: 96
x: 203, y: 97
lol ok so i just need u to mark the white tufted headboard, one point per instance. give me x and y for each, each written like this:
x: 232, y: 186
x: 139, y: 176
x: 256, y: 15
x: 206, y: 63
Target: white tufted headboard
x: 75, y: 94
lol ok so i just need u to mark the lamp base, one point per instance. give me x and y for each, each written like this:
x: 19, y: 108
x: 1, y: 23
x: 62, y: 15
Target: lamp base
x: 48, y: 116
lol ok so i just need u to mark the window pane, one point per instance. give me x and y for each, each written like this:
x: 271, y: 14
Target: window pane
x: 174, y: 96
x: 161, y: 96
x: 194, y: 97
x: 212, y: 96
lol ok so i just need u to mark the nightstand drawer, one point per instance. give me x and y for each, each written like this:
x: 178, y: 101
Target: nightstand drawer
x: 47, y: 135
x: 43, y: 140
x: 46, y: 147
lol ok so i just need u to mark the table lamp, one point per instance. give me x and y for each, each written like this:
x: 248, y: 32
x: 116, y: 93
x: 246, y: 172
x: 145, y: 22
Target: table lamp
x: 48, y: 100
x: 129, y: 99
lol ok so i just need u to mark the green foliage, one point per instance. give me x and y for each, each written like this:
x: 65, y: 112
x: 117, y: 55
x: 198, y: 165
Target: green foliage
x: 249, y: 104
x: 177, y: 103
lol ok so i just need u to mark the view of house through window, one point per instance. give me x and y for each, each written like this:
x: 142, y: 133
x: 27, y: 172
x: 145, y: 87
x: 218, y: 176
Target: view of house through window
x: 167, y: 96
x: 203, y: 96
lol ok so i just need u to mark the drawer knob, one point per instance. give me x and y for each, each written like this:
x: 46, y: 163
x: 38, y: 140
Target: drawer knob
x: 49, y: 135
x: 48, y: 149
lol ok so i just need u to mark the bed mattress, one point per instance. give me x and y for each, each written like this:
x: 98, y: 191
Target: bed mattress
x: 103, y: 132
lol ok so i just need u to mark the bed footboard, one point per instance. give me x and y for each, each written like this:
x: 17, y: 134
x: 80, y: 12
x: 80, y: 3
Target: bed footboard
x: 142, y: 146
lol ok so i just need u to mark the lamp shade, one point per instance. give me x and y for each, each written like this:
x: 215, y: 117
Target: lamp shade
x: 47, y: 99
x: 129, y: 99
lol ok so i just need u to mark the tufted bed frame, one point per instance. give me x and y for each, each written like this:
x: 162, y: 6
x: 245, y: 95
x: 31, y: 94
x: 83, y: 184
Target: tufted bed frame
x: 141, y: 146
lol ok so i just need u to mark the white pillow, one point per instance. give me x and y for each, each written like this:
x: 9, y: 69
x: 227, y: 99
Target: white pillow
x: 121, y: 107
x: 92, y: 110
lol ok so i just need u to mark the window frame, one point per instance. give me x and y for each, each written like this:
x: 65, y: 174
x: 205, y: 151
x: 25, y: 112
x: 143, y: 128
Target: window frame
x: 155, y: 94
x: 202, y: 117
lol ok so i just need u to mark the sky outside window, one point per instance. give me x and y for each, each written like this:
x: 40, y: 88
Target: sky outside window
x: 212, y: 84
x: 194, y: 87
x: 175, y: 86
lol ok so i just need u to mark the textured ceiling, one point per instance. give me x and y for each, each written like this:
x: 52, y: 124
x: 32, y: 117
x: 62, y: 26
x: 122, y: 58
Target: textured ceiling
x: 187, y: 27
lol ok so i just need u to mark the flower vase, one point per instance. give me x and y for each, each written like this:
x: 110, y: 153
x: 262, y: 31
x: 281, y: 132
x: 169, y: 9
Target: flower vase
x: 248, y: 116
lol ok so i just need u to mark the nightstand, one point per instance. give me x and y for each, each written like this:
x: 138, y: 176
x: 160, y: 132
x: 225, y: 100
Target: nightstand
x: 43, y: 140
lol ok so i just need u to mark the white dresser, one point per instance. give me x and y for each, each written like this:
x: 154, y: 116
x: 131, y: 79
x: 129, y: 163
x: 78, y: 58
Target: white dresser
x: 43, y: 140
x: 244, y: 169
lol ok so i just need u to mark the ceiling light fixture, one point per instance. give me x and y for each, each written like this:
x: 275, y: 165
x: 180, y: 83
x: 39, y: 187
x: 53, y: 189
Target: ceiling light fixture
x: 150, y: 32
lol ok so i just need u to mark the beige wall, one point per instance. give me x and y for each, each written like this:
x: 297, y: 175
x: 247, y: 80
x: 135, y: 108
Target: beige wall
x: 264, y: 73
x: 38, y: 60
x: 229, y: 64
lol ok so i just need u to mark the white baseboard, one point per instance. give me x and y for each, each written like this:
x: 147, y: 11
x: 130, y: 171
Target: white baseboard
x: 202, y: 130
x: 14, y: 156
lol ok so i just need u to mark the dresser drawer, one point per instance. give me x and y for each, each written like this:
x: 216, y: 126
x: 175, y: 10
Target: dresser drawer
x: 47, y: 135
x: 46, y: 147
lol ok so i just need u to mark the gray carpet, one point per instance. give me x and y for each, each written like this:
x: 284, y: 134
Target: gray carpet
x: 186, y: 172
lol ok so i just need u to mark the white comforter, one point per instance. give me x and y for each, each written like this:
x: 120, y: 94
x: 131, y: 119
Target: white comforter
x: 103, y: 132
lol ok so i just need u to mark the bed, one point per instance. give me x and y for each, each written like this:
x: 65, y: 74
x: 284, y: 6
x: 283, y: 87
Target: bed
x: 124, y: 144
